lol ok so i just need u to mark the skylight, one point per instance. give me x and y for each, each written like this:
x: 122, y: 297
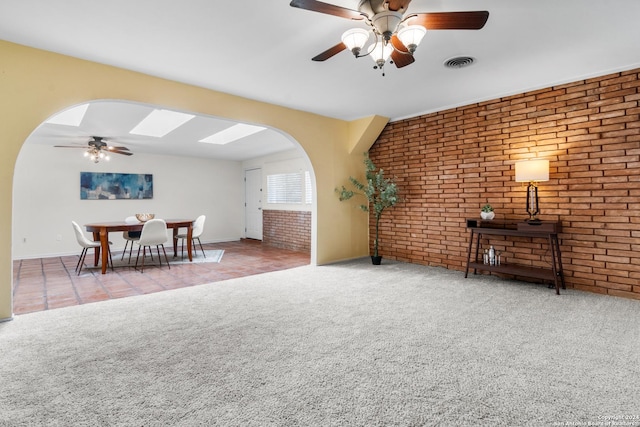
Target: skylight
x: 71, y: 117
x: 232, y: 133
x: 160, y: 122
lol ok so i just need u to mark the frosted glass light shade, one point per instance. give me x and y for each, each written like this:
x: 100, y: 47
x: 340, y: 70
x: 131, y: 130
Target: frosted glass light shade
x: 411, y: 36
x: 380, y: 52
x: 532, y: 170
x: 355, y: 38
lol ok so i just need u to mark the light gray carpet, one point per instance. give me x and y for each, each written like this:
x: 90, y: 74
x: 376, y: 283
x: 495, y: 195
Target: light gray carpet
x: 349, y: 344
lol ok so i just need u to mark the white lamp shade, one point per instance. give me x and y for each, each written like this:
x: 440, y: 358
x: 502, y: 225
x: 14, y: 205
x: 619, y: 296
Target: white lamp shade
x: 380, y: 52
x: 532, y: 170
x: 355, y: 38
x: 412, y: 35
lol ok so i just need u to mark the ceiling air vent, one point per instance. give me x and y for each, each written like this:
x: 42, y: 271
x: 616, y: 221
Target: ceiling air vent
x: 459, y: 62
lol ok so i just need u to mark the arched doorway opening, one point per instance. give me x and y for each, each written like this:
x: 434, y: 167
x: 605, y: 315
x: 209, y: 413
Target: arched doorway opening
x: 190, y: 177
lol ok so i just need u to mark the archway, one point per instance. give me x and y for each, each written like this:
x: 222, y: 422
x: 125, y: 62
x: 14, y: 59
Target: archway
x: 207, y: 181
x: 35, y: 84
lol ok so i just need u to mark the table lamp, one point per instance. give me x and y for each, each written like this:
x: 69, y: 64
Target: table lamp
x: 532, y: 171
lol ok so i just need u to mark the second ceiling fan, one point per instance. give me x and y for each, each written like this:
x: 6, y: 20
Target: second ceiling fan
x: 396, y: 35
x: 97, y: 149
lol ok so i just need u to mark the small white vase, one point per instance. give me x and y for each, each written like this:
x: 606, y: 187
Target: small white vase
x: 487, y: 215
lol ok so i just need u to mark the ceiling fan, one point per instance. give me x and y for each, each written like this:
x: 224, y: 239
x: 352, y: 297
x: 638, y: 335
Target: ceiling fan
x: 396, y: 35
x: 97, y: 149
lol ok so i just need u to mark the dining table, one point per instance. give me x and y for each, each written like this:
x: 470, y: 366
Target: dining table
x: 101, y: 232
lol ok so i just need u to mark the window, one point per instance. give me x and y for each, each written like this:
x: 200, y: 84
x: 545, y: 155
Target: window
x: 289, y: 188
x: 284, y: 188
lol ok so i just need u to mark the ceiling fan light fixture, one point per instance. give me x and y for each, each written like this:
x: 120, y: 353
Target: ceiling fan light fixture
x: 96, y: 154
x: 97, y: 149
x: 380, y: 53
x: 93, y: 155
x: 386, y: 23
x: 387, y: 19
x: 355, y: 39
x: 411, y: 36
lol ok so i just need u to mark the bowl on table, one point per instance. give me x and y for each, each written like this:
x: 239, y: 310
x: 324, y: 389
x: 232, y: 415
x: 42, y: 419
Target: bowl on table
x: 144, y: 217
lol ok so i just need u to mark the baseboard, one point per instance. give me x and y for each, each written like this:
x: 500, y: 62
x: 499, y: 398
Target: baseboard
x: 6, y: 319
x: 343, y: 260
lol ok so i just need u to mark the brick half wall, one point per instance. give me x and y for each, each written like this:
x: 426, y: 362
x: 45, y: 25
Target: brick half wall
x: 449, y: 163
x: 287, y: 230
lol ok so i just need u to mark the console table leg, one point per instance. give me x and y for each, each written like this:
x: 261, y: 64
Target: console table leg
x: 475, y: 270
x: 466, y: 272
x: 559, y: 255
x: 554, y: 264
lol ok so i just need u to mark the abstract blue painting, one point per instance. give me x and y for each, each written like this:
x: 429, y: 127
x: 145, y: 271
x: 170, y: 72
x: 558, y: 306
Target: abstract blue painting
x: 112, y: 186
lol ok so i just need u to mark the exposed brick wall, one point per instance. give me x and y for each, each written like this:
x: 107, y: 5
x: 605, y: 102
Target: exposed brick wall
x: 448, y: 164
x: 287, y: 230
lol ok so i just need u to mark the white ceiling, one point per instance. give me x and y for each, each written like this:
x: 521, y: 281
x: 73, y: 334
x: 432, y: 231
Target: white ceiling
x: 262, y: 49
x: 114, y: 119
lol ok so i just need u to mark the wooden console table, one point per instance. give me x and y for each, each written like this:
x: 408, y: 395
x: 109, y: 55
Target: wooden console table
x: 544, y: 229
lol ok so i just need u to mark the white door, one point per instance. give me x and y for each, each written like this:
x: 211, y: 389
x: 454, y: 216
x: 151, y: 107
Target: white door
x: 253, y: 203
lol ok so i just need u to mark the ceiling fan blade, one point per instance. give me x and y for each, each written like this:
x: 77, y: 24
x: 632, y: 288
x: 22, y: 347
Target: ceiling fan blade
x: 400, y: 55
x: 396, y: 5
x: 450, y: 20
x: 329, y: 9
x: 71, y: 146
x: 329, y: 52
x: 126, y: 153
x: 118, y: 150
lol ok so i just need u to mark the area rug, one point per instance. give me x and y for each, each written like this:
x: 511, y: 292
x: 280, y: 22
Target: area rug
x: 212, y: 255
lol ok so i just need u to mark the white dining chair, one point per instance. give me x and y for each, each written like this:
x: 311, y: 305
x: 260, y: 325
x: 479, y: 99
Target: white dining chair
x: 154, y: 233
x: 86, y: 244
x: 130, y: 237
x: 198, y: 228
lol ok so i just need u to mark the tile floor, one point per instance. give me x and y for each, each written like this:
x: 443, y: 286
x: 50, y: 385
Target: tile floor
x: 48, y: 283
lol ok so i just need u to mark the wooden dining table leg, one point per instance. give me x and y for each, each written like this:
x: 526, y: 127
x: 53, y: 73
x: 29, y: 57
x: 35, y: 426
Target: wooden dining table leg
x: 175, y: 242
x: 96, y: 252
x: 104, y: 245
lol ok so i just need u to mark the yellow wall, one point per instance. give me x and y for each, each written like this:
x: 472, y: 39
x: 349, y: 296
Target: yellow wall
x: 35, y: 84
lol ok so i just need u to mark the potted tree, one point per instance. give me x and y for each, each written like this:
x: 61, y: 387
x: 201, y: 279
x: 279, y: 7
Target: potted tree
x: 380, y: 192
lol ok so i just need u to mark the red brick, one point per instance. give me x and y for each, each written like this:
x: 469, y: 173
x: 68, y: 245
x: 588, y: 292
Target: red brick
x: 452, y: 162
x: 287, y: 229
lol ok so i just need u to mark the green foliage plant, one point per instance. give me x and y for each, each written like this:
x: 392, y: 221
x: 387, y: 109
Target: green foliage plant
x: 380, y: 192
x: 487, y: 208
